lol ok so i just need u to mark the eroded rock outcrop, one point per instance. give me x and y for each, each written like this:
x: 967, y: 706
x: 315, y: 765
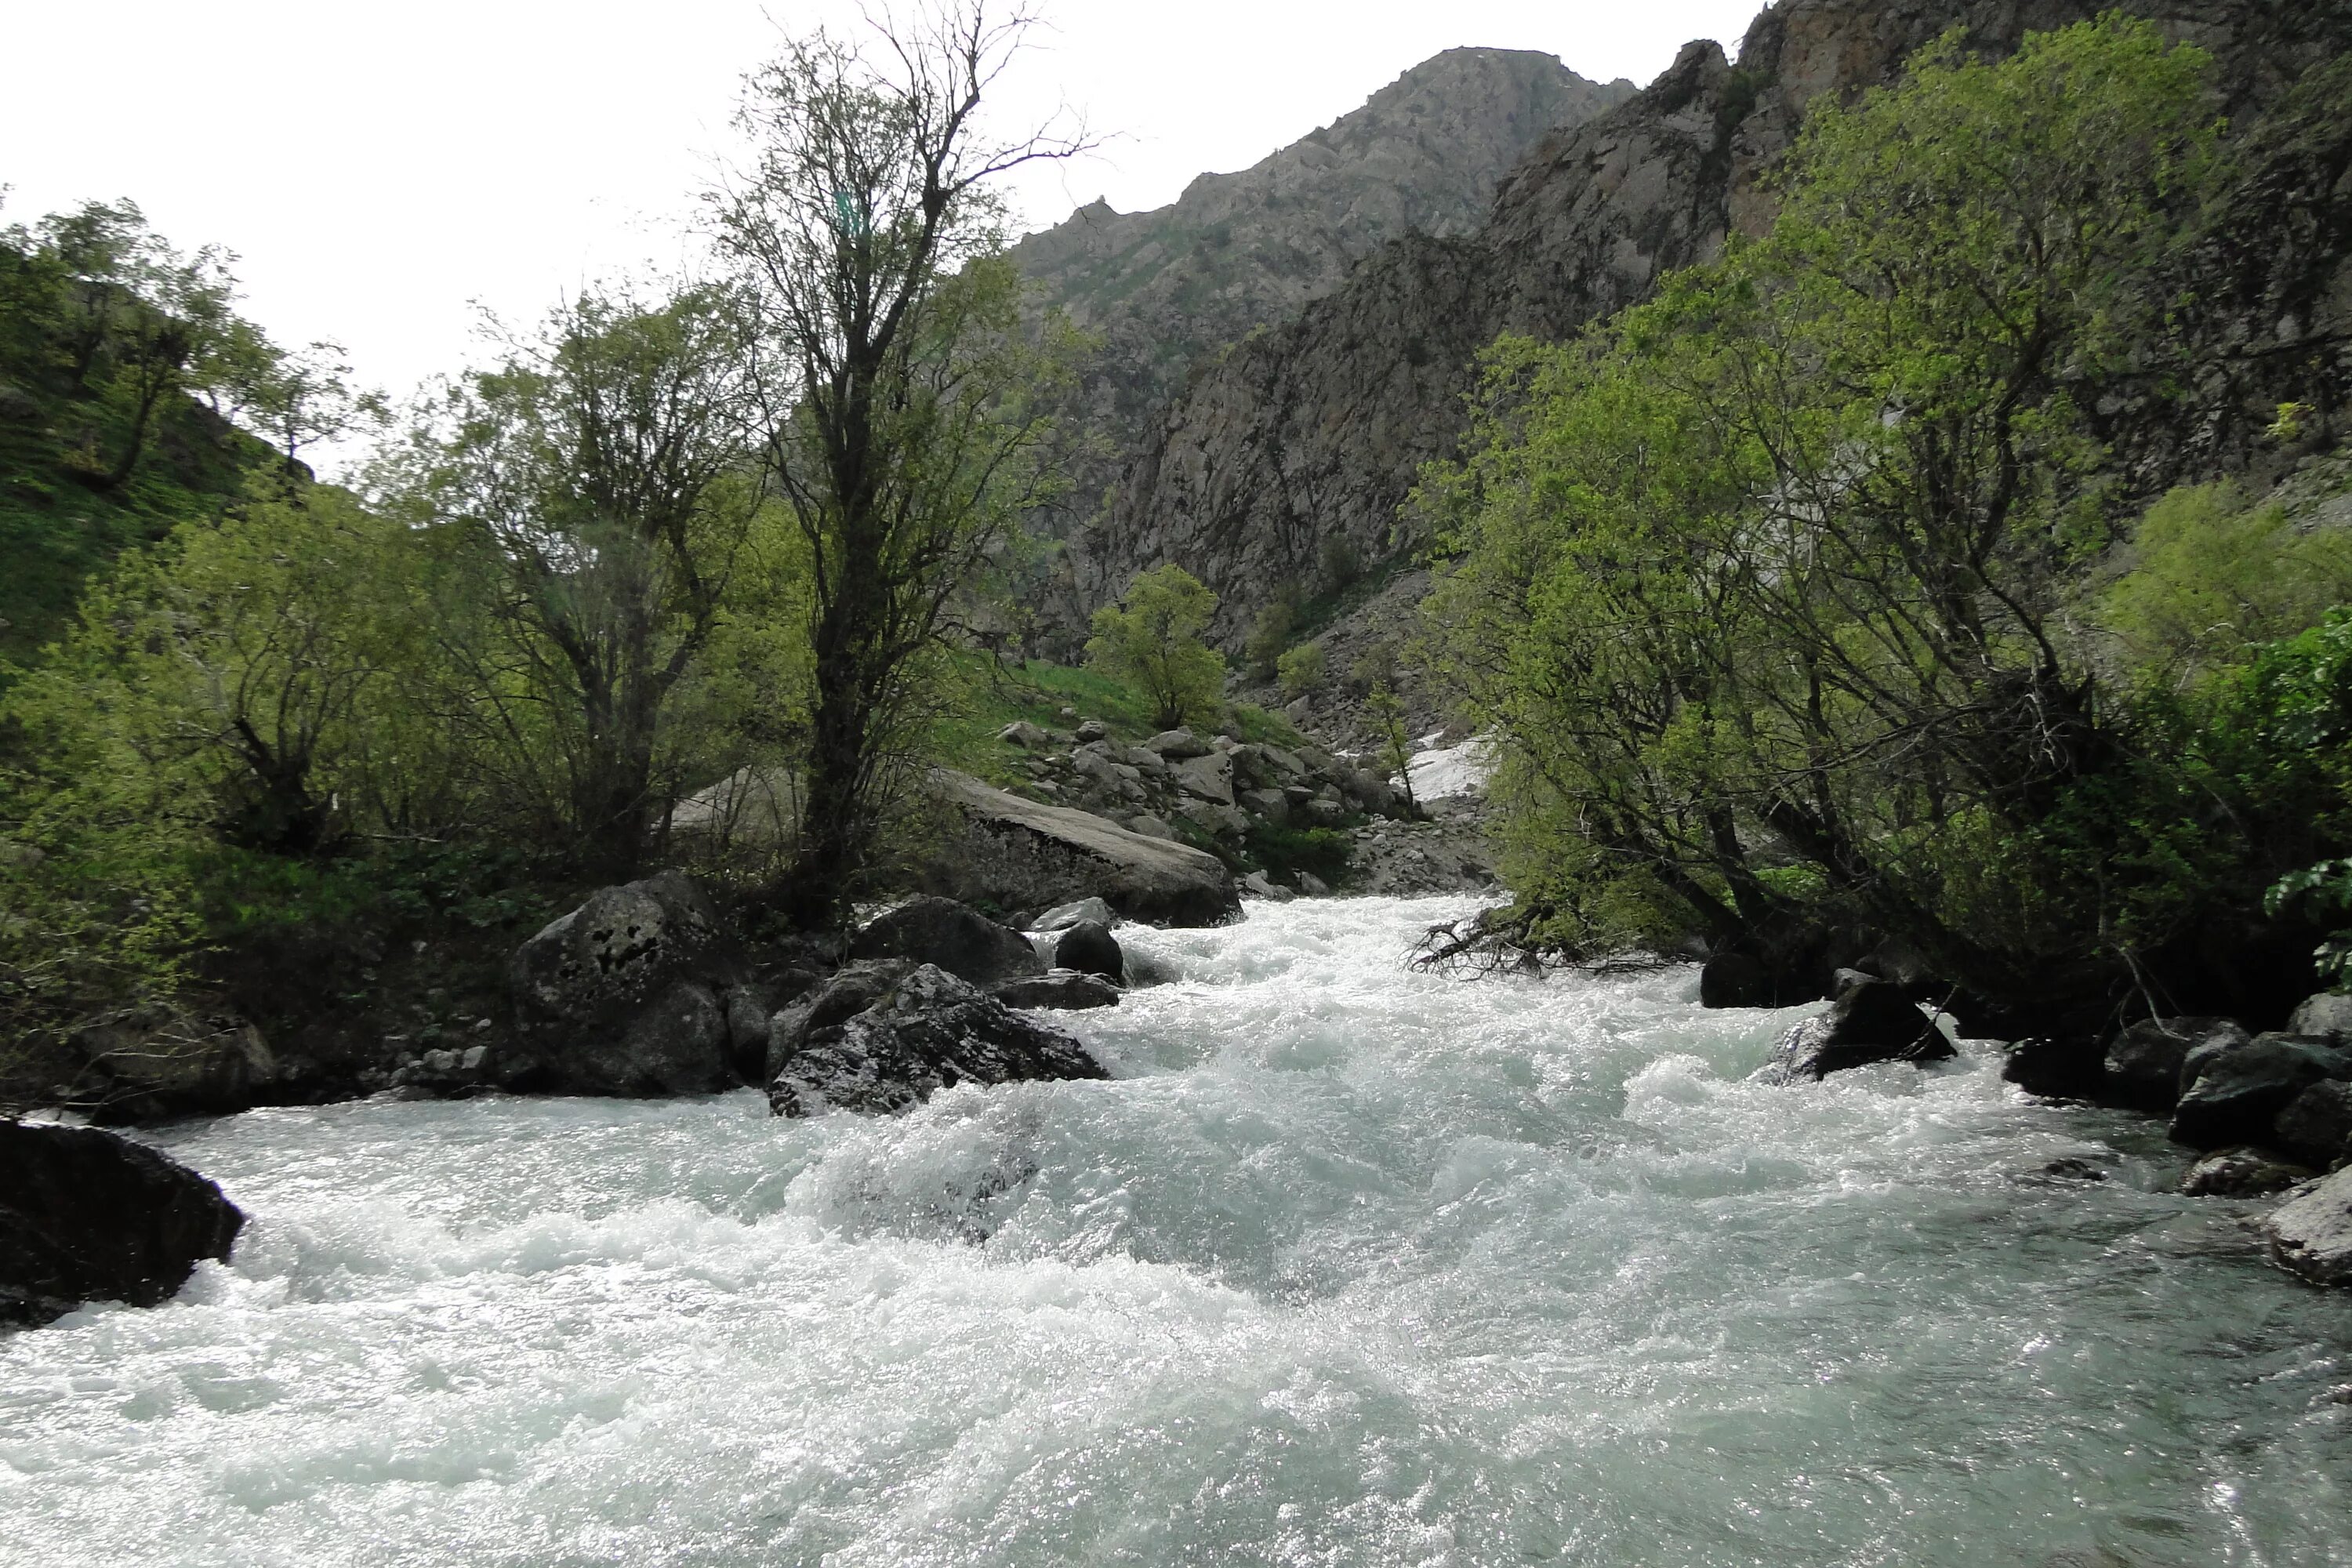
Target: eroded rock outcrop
x: 88, y: 1215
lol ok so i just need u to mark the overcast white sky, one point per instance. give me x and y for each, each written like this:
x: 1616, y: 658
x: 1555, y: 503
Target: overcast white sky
x: 378, y: 166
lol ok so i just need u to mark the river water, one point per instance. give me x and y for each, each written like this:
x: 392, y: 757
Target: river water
x: 1346, y: 1266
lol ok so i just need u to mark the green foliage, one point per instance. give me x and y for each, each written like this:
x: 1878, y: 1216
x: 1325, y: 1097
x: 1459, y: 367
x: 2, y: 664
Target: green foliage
x: 1270, y: 635
x: 1301, y: 669
x: 1152, y: 641
x: 2211, y: 577
x: 1774, y: 586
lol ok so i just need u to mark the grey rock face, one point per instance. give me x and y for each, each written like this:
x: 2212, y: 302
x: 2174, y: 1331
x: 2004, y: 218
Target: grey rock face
x: 1065, y: 990
x: 1237, y: 250
x: 2144, y: 1062
x: 2242, y: 1173
x: 1869, y: 1022
x: 928, y: 1032
x: 1208, y: 778
x: 2237, y: 1092
x: 2312, y: 1232
x: 1019, y: 854
x: 964, y: 942
x: 2325, y: 1017
x: 624, y: 996
x: 87, y: 1216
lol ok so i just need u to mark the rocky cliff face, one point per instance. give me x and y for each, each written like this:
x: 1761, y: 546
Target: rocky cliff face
x: 1239, y: 250
x: 1313, y: 432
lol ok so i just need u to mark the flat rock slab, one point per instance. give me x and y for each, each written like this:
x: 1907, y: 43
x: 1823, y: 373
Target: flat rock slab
x: 88, y: 1215
x: 1019, y: 854
x: 2312, y: 1233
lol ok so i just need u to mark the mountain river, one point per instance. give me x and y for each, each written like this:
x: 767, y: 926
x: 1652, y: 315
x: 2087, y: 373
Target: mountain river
x: 1346, y: 1266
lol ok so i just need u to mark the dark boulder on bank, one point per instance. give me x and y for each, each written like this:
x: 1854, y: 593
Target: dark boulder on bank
x: 928, y: 1032
x: 2315, y: 1127
x: 88, y: 1215
x: 627, y: 995
x: 1871, y: 1020
x: 2145, y: 1061
x: 2233, y: 1092
x: 941, y: 932
x: 1089, y: 948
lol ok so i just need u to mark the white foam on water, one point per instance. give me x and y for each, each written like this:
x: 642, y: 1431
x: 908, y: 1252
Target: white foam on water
x: 1347, y: 1265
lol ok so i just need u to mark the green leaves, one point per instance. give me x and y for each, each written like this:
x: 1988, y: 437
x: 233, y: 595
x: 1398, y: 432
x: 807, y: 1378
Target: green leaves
x: 1151, y: 640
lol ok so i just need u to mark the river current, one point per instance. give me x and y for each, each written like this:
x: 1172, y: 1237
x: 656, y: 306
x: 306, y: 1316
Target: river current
x: 1347, y: 1265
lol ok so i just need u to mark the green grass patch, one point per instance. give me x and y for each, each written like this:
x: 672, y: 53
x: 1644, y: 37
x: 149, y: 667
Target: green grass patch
x: 997, y: 694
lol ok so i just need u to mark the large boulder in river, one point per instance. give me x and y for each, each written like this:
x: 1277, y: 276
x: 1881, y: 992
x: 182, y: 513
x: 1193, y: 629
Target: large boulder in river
x: 1089, y: 948
x: 931, y: 1031
x: 626, y: 995
x: 2144, y: 1061
x: 961, y: 940
x: 88, y: 1215
x: 2326, y: 1016
x: 2242, y: 1173
x: 1019, y: 855
x: 1871, y: 1020
x: 2312, y: 1232
x: 2232, y: 1095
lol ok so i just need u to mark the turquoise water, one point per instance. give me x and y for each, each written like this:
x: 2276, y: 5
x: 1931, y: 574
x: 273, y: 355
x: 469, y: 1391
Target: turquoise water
x: 1346, y: 1266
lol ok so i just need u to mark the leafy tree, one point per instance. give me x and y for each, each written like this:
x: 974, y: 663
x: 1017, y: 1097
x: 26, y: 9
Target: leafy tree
x: 1770, y: 583
x: 898, y: 391
x: 1301, y: 669
x: 1152, y: 641
x: 588, y: 505
x: 1270, y: 635
x: 1386, y: 710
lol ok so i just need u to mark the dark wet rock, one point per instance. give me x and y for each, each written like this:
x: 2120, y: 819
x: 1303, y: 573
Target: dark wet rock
x: 2310, y: 1233
x: 959, y: 939
x: 1019, y: 854
x: 1870, y: 1022
x: 928, y: 1032
x: 2071, y: 1170
x: 2237, y: 1091
x: 1734, y: 980
x: 2244, y: 1172
x: 839, y: 998
x: 1258, y: 885
x: 2059, y: 1067
x: 626, y: 995
x: 2316, y: 1125
x: 1089, y: 948
x: 1062, y: 990
x: 2325, y: 1017
x: 1061, y: 917
x: 89, y: 1215
x: 2144, y: 1062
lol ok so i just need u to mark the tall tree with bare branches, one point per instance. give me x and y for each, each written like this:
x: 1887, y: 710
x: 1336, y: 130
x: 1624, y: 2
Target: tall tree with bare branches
x: 901, y: 420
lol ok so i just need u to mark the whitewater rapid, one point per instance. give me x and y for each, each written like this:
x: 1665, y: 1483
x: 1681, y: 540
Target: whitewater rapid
x: 1347, y: 1265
